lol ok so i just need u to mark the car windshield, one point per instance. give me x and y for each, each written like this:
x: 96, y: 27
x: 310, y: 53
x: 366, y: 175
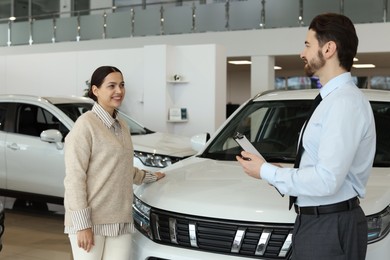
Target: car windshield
x: 273, y: 128
x: 74, y: 110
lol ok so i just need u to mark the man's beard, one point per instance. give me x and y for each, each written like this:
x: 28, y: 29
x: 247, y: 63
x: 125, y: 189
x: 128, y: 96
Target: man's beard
x: 312, y: 66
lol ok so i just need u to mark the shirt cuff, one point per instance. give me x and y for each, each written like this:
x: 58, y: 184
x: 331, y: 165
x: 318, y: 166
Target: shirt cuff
x: 149, y: 177
x: 81, y: 219
x: 268, y: 172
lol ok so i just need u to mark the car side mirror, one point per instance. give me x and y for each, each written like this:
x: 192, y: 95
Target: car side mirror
x: 53, y: 136
x: 199, y: 141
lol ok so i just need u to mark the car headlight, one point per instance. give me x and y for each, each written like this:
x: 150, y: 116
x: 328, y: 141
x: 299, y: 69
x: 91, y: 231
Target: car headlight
x: 378, y: 225
x: 155, y: 160
x: 141, y: 215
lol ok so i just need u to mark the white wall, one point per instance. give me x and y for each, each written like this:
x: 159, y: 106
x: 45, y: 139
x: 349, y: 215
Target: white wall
x: 63, y: 68
x: 146, y: 71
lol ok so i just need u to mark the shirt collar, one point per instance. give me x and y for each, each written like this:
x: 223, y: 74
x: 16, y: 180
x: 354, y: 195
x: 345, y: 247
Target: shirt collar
x: 336, y: 82
x: 107, y: 119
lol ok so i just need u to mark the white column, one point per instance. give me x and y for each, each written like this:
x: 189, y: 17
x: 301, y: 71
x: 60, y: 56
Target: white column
x: 65, y: 8
x: 262, y: 74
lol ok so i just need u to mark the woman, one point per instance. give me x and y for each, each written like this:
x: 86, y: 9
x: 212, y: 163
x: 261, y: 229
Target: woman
x: 100, y: 174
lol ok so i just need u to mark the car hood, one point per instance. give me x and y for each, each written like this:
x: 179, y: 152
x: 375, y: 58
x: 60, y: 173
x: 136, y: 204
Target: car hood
x: 216, y: 189
x: 164, y: 144
x: 221, y: 189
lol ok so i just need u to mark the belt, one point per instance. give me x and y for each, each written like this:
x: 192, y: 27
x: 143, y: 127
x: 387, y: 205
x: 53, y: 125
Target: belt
x: 327, y: 209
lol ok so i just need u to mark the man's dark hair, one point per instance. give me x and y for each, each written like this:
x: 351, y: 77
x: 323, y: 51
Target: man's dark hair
x: 340, y: 29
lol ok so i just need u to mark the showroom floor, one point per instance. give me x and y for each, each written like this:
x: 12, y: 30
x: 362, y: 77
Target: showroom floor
x: 34, y: 235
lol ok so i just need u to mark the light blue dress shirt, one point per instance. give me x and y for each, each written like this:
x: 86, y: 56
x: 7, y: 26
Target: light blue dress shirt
x: 339, y: 147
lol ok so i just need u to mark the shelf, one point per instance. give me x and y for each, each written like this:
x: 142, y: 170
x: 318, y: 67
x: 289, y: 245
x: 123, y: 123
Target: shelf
x: 177, y: 82
x: 177, y: 121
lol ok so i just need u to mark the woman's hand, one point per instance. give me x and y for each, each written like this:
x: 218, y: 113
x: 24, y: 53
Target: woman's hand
x: 85, y: 239
x: 159, y: 175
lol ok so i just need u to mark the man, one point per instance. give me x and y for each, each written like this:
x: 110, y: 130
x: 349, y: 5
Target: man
x: 338, y: 147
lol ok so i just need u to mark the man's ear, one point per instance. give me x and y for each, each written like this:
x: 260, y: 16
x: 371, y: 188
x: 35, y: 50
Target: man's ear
x: 329, y: 49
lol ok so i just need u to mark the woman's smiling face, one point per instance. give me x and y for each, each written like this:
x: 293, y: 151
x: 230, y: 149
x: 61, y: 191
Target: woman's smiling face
x: 111, y: 93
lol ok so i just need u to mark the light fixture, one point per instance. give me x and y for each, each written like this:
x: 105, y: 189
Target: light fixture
x: 363, y: 66
x: 277, y: 68
x: 355, y: 59
x: 240, y: 62
x: 12, y: 18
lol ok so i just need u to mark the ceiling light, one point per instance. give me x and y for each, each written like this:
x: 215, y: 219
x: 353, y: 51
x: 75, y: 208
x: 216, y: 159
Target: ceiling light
x: 277, y: 68
x: 355, y: 59
x: 363, y: 66
x: 240, y: 62
x: 12, y: 18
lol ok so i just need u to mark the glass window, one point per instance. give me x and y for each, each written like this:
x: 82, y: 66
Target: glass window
x: 298, y: 83
x: 32, y: 120
x: 380, y: 82
x: 271, y: 126
x: 382, y: 122
x: 3, y: 110
x: 5, y: 9
x: 43, y: 9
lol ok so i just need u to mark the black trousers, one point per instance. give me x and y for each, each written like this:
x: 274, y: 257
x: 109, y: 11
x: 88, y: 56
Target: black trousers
x: 336, y: 236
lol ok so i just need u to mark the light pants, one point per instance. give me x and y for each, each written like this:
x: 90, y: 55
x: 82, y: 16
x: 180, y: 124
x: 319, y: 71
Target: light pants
x: 105, y: 248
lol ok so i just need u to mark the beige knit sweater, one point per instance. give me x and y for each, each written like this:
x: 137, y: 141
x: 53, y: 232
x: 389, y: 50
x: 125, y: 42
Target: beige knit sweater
x: 99, y: 172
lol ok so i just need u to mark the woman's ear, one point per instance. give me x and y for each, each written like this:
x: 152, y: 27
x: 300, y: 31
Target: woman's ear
x: 95, y: 90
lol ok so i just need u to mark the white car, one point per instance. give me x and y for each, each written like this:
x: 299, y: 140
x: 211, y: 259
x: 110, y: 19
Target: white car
x: 32, y: 130
x: 208, y: 208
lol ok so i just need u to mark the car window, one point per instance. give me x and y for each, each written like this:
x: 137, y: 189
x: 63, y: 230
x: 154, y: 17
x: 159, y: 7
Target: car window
x: 32, y: 120
x: 135, y: 128
x: 3, y: 111
x: 74, y: 110
x: 382, y: 124
x: 272, y: 127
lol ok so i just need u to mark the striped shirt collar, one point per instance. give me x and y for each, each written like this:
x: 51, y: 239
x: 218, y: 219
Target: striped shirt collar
x: 107, y: 119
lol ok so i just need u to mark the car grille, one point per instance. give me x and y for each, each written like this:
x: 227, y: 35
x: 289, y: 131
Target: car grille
x: 249, y: 239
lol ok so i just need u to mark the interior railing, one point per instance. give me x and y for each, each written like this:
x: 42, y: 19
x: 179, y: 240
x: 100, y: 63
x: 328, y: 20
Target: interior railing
x: 180, y: 17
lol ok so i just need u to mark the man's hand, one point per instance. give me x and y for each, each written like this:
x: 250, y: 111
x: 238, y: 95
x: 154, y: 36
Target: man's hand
x: 85, y: 239
x: 251, y: 164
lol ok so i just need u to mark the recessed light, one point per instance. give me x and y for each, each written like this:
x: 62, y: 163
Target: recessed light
x: 277, y: 68
x: 363, y: 66
x: 12, y: 18
x: 240, y: 62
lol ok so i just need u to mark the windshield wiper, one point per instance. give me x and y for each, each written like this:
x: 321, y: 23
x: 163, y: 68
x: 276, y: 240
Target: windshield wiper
x: 285, y: 159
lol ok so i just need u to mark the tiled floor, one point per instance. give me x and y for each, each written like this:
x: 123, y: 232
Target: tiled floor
x: 35, y: 236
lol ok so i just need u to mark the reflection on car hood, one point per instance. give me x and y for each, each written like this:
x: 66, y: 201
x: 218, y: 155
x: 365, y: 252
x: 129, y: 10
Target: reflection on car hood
x: 163, y: 143
x: 216, y: 189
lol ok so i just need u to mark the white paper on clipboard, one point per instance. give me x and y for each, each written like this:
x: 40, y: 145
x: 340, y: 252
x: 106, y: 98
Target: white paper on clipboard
x: 246, y: 145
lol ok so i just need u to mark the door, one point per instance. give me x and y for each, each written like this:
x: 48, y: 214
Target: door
x: 34, y: 166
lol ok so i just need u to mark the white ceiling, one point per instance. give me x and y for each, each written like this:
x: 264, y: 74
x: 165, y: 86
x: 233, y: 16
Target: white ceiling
x: 294, y: 63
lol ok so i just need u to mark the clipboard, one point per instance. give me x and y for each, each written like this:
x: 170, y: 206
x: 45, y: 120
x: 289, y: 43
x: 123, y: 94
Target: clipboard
x: 247, y: 146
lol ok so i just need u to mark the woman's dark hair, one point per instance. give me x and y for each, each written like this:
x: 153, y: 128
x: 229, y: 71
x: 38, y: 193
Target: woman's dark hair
x: 340, y: 29
x: 98, y: 77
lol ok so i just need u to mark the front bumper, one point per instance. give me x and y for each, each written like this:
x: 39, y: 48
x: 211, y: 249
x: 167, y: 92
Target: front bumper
x: 145, y: 249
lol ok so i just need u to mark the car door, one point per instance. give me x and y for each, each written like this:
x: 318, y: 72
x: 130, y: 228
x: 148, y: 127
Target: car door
x: 32, y: 165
